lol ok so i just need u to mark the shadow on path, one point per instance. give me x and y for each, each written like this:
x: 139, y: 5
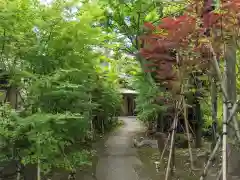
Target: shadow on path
x: 118, y: 160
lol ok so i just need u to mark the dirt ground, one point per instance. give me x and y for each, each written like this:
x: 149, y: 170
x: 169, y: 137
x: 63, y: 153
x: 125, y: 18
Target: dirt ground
x: 182, y: 163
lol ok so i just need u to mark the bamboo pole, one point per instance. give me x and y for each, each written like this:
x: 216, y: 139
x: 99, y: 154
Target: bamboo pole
x: 38, y: 158
x: 227, y: 106
x: 165, y: 147
x: 188, y: 133
x: 175, y: 122
x: 224, y: 90
x: 219, y: 175
x: 224, y: 142
x: 38, y: 170
x: 18, y: 171
x: 212, y: 155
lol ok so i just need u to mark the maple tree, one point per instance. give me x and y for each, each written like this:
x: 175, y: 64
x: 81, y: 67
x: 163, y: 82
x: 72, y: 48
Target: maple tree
x: 180, y: 46
x: 187, y: 34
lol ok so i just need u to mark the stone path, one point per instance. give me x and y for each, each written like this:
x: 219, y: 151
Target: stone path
x: 118, y: 160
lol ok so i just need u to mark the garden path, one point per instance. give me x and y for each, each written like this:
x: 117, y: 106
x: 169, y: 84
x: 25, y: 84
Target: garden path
x: 119, y: 159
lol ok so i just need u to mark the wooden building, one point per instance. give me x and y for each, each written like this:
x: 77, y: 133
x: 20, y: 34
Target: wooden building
x: 128, y: 102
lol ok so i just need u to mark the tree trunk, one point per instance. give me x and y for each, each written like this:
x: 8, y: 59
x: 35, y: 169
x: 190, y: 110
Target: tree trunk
x: 197, y: 110
x: 199, y: 123
x: 11, y: 96
x: 160, y: 123
x: 214, y: 100
x: 230, y: 79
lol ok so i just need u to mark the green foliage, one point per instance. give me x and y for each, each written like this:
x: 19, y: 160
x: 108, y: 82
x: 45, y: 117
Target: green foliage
x: 147, y: 107
x: 173, y: 8
x: 127, y: 18
x: 50, y: 52
x: 128, y: 68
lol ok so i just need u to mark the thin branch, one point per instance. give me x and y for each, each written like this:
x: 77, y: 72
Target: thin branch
x: 125, y: 29
x: 127, y: 6
x: 138, y: 28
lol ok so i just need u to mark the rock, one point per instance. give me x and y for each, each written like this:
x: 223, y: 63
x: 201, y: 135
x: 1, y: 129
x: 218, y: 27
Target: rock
x: 145, y: 143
